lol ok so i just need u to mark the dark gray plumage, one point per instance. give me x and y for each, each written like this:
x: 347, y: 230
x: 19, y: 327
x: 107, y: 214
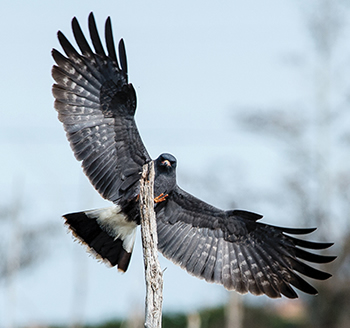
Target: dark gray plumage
x: 96, y: 105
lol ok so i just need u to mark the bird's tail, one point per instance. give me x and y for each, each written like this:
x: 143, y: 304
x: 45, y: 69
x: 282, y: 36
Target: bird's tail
x: 107, y: 233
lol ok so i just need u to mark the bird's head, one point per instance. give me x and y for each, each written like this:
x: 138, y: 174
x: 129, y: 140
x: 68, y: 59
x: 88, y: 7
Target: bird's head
x: 165, y: 174
x: 165, y: 163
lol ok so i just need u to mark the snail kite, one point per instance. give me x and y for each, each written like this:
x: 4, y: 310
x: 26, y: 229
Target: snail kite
x: 96, y: 105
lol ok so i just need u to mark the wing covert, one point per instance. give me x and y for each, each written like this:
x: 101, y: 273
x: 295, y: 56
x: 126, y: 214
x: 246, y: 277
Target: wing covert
x: 96, y: 105
x: 232, y: 249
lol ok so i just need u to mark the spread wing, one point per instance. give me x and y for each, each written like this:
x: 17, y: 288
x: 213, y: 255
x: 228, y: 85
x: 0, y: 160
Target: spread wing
x: 232, y: 249
x: 96, y: 105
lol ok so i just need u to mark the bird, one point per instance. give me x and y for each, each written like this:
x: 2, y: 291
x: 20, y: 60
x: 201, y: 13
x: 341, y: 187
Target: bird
x: 97, y: 104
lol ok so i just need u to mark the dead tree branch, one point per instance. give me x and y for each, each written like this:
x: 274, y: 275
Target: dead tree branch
x: 153, y: 272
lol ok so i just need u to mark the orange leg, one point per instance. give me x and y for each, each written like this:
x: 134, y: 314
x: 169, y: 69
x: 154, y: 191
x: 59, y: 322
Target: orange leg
x: 160, y: 198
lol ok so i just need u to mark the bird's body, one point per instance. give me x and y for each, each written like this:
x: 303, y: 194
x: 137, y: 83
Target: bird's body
x: 96, y: 105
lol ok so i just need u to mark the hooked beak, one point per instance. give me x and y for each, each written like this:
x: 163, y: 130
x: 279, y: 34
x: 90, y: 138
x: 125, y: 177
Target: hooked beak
x: 166, y: 162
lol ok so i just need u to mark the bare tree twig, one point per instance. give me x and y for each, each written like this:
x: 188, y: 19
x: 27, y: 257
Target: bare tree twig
x: 153, y: 272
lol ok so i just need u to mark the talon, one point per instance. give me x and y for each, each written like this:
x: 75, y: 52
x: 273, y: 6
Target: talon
x: 160, y: 198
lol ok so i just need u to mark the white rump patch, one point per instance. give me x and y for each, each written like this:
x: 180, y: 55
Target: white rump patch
x: 115, y: 223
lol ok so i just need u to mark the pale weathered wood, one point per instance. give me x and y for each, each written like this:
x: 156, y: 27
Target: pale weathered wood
x: 153, y: 272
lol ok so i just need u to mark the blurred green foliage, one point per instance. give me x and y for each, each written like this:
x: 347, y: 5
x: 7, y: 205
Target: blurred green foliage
x: 254, y: 317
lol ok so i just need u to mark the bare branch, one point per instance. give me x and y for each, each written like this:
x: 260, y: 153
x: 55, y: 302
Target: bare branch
x: 153, y: 272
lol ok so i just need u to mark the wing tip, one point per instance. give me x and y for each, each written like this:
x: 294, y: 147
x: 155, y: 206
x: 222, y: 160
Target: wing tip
x: 122, y: 56
x: 297, y: 231
x: 59, y: 34
x: 91, y: 15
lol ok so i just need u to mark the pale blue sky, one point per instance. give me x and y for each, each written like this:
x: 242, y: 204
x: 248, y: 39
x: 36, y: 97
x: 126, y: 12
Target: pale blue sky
x: 192, y: 63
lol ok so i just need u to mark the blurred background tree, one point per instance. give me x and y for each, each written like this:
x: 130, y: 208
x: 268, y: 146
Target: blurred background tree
x: 21, y: 247
x: 313, y: 144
